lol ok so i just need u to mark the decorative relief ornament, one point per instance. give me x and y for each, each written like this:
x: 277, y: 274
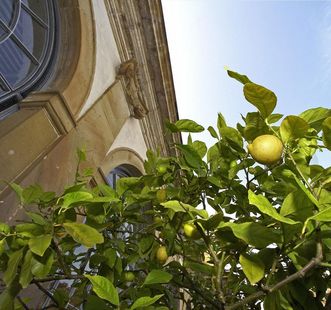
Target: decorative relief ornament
x: 128, y: 74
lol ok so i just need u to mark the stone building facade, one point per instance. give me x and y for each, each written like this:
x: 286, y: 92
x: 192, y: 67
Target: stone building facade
x: 109, y: 91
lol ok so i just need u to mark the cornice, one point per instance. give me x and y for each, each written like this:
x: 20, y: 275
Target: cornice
x: 139, y: 32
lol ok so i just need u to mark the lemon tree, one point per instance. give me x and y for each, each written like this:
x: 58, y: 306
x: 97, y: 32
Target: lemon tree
x: 242, y: 224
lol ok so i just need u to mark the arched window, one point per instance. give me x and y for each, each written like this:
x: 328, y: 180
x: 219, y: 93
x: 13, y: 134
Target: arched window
x: 121, y: 171
x: 27, y: 36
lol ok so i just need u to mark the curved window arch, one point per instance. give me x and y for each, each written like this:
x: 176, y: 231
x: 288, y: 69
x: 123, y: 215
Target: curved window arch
x: 27, y: 36
x: 121, y: 171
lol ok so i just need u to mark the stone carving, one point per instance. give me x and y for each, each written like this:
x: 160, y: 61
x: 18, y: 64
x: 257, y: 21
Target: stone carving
x: 128, y: 72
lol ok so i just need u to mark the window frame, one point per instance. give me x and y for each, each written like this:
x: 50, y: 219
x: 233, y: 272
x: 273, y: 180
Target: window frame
x: 38, y: 77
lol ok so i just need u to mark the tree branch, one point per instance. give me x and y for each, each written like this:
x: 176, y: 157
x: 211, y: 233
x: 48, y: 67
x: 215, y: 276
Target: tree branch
x: 62, y: 263
x: 22, y: 303
x: 299, y: 274
x: 57, y: 278
x: 47, y: 293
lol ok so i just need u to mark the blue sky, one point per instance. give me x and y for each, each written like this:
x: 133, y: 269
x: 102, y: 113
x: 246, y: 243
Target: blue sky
x: 282, y: 45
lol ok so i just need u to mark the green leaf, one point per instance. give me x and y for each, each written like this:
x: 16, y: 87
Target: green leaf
x: 263, y: 204
x: 170, y: 126
x: 104, y: 288
x: 293, y: 127
x: 322, y: 216
x: 39, y: 245
x: 315, y: 117
x: 272, y: 301
x: 84, y: 234
x: 178, y: 206
x: 255, y: 126
x: 14, y: 261
x: 94, y: 302
x: 18, y: 190
x: 221, y: 123
x: 273, y: 118
x: 199, y: 267
x: 74, y: 198
x: 304, y: 189
x: 276, y: 301
x: 107, y: 191
x: 326, y: 127
x: 157, y: 276
x: 213, y: 132
x: 262, y: 98
x: 239, y: 77
x: 212, y: 222
x: 7, y: 300
x: 26, y: 274
x: 4, y: 228
x: 145, y: 301
x: 41, y: 266
x: 200, y: 147
x: 231, y: 134
x: 81, y: 154
x: 32, y: 194
x: 37, y: 218
x: 110, y: 255
x: 187, y: 125
x: 8, y: 296
x: 253, y: 233
x: 191, y: 156
x: 29, y: 229
x: 2, y: 246
x: 123, y: 184
x: 61, y: 295
x: 145, y: 244
x: 253, y: 267
x: 297, y: 206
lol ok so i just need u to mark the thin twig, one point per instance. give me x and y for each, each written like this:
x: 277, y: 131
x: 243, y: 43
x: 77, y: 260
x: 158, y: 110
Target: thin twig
x: 22, y: 303
x: 56, y: 278
x: 62, y: 263
x: 301, y: 174
x: 46, y: 292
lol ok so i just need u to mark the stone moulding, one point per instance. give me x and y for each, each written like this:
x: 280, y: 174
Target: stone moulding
x: 139, y: 32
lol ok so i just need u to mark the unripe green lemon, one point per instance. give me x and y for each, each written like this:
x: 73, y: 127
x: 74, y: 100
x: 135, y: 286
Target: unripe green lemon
x: 161, y: 254
x: 191, y: 231
x: 161, y: 195
x: 128, y: 276
x: 266, y: 149
x: 161, y: 169
x: 157, y: 220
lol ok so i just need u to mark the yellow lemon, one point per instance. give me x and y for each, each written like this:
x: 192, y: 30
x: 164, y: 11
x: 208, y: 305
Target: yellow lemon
x: 266, y: 149
x: 191, y: 231
x: 161, y: 254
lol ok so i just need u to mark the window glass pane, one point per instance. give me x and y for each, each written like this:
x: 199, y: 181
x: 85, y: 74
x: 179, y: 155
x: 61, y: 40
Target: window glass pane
x: 7, y: 11
x: 38, y: 7
x: 14, y: 64
x: 31, y: 34
x: 2, y: 34
x: 27, y: 33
